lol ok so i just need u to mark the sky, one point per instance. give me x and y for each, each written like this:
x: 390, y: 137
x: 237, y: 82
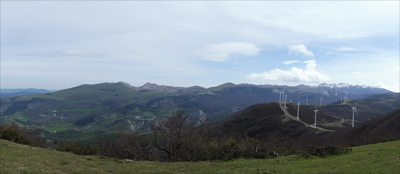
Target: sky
x: 61, y: 44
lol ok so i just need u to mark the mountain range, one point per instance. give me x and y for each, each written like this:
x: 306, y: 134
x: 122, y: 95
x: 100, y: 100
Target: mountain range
x: 107, y: 107
x: 19, y: 92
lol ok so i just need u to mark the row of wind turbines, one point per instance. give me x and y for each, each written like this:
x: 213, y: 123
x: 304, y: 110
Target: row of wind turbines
x: 283, y: 99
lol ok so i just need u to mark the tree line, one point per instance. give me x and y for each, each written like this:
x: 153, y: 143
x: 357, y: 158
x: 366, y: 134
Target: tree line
x: 174, y: 138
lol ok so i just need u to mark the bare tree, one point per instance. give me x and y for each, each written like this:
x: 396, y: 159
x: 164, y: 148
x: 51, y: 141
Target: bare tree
x: 132, y: 145
x: 172, y: 136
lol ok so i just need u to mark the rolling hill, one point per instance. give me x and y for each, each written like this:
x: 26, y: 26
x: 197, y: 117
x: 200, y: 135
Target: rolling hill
x: 107, y: 107
x: 268, y: 122
x: 383, y: 128
x: 367, y: 108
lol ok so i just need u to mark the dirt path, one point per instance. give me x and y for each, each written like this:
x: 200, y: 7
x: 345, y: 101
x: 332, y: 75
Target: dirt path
x: 295, y: 118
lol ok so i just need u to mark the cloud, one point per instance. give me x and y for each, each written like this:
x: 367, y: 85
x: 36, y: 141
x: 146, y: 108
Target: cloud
x: 310, y: 74
x: 290, y: 62
x: 69, y: 53
x: 300, y: 49
x: 221, y: 52
x: 394, y: 87
x: 155, y: 44
x: 345, y: 49
x: 381, y: 85
x: 340, y: 49
x: 356, y: 72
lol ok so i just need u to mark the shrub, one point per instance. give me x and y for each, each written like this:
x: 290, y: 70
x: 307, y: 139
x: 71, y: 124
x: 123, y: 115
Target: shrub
x: 77, y: 148
x: 327, y: 150
x: 14, y: 133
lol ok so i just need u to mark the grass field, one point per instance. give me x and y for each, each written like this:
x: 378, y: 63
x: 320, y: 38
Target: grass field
x: 55, y: 127
x: 376, y: 158
x: 79, y: 110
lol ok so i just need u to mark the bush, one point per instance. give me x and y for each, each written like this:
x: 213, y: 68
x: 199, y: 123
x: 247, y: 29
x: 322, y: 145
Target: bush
x: 77, y: 148
x: 14, y: 133
x: 327, y: 150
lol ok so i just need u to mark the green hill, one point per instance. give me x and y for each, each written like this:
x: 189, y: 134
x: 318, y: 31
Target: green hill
x: 375, y: 158
x: 367, y: 108
x: 103, y: 108
x: 96, y: 92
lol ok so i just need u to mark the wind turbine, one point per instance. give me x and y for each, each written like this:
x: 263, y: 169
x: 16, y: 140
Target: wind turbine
x: 298, y: 109
x: 315, y: 118
x: 307, y: 101
x: 280, y: 95
x: 320, y: 101
x: 354, y: 110
x: 285, y: 100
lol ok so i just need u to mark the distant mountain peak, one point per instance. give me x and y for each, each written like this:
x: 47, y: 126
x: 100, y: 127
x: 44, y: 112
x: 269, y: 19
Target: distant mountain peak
x: 333, y: 85
x: 148, y: 83
x: 170, y: 89
x: 344, y: 85
x: 150, y: 86
x: 127, y: 85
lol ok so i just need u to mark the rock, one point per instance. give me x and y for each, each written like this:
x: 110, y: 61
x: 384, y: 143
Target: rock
x: 198, y: 117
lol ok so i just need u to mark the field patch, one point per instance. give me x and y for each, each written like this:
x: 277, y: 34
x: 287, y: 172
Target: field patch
x: 55, y: 127
x: 79, y: 110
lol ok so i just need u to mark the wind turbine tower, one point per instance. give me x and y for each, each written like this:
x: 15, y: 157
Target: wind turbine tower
x: 306, y: 101
x: 354, y: 110
x: 280, y: 95
x: 285, y: 100
x: 315, y: 118
x: 298, y: 109
x: 320, y: 101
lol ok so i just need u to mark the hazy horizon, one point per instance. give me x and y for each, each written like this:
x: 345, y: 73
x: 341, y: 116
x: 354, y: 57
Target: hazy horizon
x: 2, y: 89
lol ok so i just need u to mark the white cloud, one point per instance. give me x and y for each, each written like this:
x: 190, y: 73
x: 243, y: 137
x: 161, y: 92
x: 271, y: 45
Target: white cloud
x: 394, y: 87
x: 310, y: 74
x: 340, y: 49
x: 158, y: 40
x: 381, y: 85
x: 222, y: 51
x: 345, y: 49
x: 300, y: 49
x: 290, y: 62
x: 69, y: 53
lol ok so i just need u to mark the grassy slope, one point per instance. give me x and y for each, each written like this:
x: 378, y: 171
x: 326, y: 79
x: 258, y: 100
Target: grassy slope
x: 87, y: 93
x: 377, y: 158
x: 80, y: 102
